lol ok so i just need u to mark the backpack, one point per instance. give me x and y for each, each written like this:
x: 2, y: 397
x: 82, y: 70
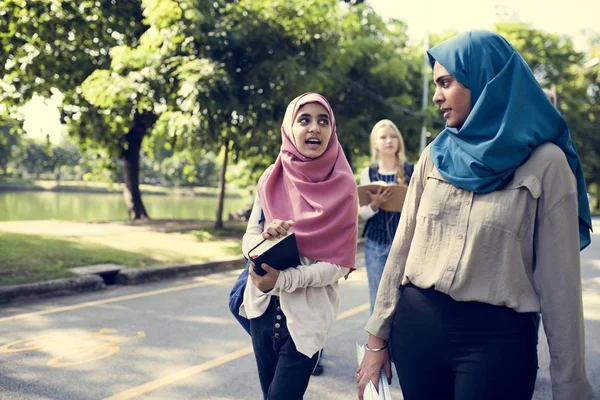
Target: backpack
x: 236, y: 296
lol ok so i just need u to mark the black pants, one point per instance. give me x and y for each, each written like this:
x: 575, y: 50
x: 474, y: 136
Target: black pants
x: 449, y: 350
x: 283, y: 371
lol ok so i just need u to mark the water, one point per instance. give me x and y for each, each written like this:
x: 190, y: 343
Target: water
x: 26, y: 205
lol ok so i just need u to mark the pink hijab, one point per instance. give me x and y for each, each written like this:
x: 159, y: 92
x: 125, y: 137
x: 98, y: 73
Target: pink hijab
x: 319, y: 194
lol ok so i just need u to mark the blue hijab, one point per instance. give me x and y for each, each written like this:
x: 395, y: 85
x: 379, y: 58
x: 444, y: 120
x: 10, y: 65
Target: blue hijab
x: 510, y: 117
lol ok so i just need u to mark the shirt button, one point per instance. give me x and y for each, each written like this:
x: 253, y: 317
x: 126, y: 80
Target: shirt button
x: 278, y: 317
x: 278, y: 308
x: 450, y: 268
x: 276, y: 335
x: 460, y: 236
x: 468, y: 203
x: 277, y: 326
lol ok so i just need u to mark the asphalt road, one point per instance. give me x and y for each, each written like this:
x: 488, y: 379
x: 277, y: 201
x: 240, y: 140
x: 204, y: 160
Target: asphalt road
x: 177, y: 340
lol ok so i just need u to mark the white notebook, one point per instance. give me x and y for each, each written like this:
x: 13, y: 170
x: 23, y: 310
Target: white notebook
x: 370, y: 390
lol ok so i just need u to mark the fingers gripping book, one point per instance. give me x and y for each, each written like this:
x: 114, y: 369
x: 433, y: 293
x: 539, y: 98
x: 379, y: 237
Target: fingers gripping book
x: 394, y: 203
x: 281, y: 253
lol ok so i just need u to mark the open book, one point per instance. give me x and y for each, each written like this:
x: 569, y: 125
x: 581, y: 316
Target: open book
x: 280, y: 253
x: 370, y: 390
x: 394, y: 203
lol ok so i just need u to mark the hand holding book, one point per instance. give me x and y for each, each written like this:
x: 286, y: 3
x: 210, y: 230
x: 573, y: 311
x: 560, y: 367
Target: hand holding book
x: 277, y: 228
x: 392, y: 200
x: 379, y: 197
x: 266, y: 282
x: 277, y: 252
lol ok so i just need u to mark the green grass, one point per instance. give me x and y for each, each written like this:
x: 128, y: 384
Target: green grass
x: 228, y: 232
x: 26, y: 257
x: 31, y: 258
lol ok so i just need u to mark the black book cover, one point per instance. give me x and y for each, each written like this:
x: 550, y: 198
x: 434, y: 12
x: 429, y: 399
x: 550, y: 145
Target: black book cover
x: 280, y: 254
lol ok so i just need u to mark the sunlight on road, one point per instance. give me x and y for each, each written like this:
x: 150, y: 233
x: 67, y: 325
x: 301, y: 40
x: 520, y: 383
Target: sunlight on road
x: 68, y: 348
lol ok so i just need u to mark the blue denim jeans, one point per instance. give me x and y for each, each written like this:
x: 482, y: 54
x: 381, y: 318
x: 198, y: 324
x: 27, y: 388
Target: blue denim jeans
x: 375, y: 257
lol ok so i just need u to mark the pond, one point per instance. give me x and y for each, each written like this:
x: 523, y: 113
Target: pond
x: 68, y: 206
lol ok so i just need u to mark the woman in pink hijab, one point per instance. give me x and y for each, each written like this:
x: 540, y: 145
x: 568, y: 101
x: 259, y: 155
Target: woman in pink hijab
x: 310, y: 191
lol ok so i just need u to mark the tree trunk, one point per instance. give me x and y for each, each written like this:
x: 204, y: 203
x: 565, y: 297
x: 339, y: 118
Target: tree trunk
x: 131, y: 160
x: 221, y: 201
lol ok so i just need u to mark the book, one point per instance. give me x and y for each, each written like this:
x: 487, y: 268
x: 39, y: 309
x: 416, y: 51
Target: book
x: 281, y: 253
x: 394, y: 203
x: 371, y: 392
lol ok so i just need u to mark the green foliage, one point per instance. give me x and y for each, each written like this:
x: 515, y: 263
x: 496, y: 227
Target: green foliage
x: 159, y: 76
x: 8, y: 146
x: 58, y: 44
x: 191, y: 77
x: 554, y: 61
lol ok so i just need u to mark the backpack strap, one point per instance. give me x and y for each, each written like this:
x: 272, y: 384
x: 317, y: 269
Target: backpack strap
x: 373, y: 173
x: 373, y: 178
x: 408, y: 171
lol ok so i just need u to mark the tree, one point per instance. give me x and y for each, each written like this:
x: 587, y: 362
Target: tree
x: 56, y: 45
x: 8, y: 143
x: 150, y: 87
x: 554, y: 61
x: 264, y: 54
x: 372, y: 76
x: 34, y: 157
x: 66, y: 154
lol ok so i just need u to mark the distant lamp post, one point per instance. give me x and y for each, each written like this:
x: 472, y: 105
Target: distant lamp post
x: 425, y: 93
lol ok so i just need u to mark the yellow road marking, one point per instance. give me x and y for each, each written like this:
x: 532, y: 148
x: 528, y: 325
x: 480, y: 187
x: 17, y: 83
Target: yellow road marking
x: 354, y: 311
x: 195, y: 370
x: 113, y: 300
x: 73, y: 348
x: 178, y: 376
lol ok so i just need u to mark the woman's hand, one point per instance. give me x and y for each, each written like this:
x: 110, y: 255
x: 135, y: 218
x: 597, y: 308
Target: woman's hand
x: 371, y: 365
x: 277, y: 228
x: 266, y: 282
x: 382, y: 195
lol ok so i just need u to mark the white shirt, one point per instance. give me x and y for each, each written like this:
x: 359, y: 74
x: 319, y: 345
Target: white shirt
x: 308, y: 294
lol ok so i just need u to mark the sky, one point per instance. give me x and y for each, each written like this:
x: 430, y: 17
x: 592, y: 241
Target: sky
x: 567, y: 17
x: 42, y: 119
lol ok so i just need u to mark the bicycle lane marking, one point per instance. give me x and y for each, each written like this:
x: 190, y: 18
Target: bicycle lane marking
x: 74, y: 349
x: 68, y: 350
x: 197, y: 369
x: 96, y: 303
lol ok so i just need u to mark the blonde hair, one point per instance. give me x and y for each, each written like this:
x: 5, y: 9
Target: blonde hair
x: 400, y: 153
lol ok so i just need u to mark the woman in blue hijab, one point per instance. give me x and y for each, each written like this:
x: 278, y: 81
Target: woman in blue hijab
x: 490, y: 233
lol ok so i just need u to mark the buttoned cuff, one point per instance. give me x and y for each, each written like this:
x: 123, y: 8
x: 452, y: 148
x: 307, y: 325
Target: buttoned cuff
x: 378, y: 327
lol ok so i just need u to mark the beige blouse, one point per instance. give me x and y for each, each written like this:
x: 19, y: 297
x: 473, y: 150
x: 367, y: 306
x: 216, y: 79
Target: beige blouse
x: 516, y: 247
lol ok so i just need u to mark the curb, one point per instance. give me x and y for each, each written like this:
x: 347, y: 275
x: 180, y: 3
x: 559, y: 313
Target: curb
x: 134, y: 276
x: 51, y: 288
x: 126, y: 276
